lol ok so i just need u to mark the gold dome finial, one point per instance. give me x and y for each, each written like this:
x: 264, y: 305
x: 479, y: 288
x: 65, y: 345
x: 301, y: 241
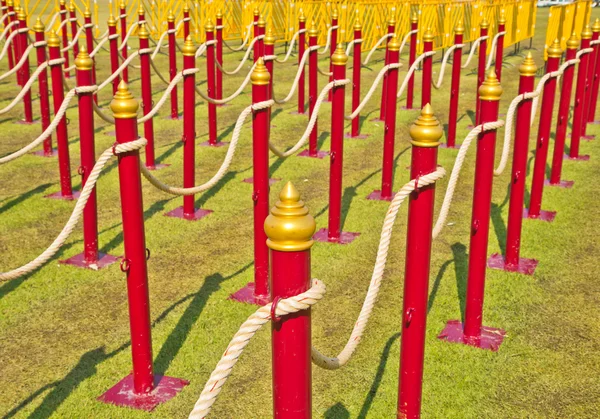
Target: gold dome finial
x: 596, y: 26
x: 143, y: 31
x: 414, y: 18
x: 170, y: 16
x: 256, y: 11
x: 269, y: 37
x: 502, y: 18
x: 301, y: 18
x: 209, y: 27
x: 554, y: 50
x: 124, y: 105
x: 391, y: 20
x: 459, y: 28
x: 484, y: 24
x: 71, y: 7
x: 141, y: 11
x: 357, y: 24
x: 426, y: 131
x: 289, y: 226
x: 428, y: 35
x: 339, y: 56
x: 53, y: 40
x: 528, y: 67
x: 260, y: 75
x: 189, y: 49
x: 490, y: 89
x: 83, y: 60
x: 186, y: 8
x: 111, y: 20
x: 587, y: 32
x: 21, y: 15
x: 122, y: 5
x: 87, y: 13
x: 394, y: 44
x: 261, y: 22
x: 335, y: 14
x: 219, y: 14
x: 313, y: 31
x: 39, y: 26
x: 61, y: 2
x: 573, y: 41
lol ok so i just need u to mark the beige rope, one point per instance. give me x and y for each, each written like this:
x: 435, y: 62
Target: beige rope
x: 301, y: 66
x: 23, y: 91
x: 102, y: 115
x: 7, y: 27
x: 381, y: 40
x: 74, y: 41
x: 246, y: 55
x: 493, y: 48
x: 52, y: 21
x: 129, y: 32
x: 443, y: 66
x: 324, y: 73
x: 412, y: 69
x: 371, y: 91
x: 291, y: 47
x: 24, y: 58
x: 473, y: 49
x: 98, y: 47
x: 9, y: 41
x: 351, y: 45
x: 233, y: 95
x: 241, y: 47
x: 157, y: 71
x: 118, y: 71
x: 328, y: 43
x: 202, y: 48
x: 405, y: 40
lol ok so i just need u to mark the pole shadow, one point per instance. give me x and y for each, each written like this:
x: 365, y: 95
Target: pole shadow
x: 201, y: 201
x: 461, y: 265
x: 23, y: 197
x: 337, y: 411
x: 436, y: 284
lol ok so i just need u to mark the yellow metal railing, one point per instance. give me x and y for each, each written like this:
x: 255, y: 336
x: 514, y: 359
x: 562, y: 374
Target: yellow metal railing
x: 566, y: 19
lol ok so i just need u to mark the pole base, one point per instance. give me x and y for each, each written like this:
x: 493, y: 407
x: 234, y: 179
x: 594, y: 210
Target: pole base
x: 157, y: 166
x: 594, y: 122
x: 406, y: 108
x: 217, y: 144
x: 122, y: 393
x: 271, y: 180
x: 178, y: 213
x: 112, y: 133
x: 171, y: 118
x: 356, y: 137
x: 42, y: 153
x: 588, y: 137
x: 24, y: 122
x: 376, y: 196
x: 490, y: 339
x: 319, y: 155
x: 377, y: 120
x: 544, y: 215
x: 59, y: 195
x: 562, y: 184
x: 79, y: 260
x: 299, y: 113
x: 525, y: 266
x: 578, y: 158
x: 455, y: 146
x: 246, y: 295
x: 345, y: 237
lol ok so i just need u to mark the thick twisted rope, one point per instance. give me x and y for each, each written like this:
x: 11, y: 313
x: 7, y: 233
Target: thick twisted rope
x: 102, y: 115
x: 158, y: 73
x: 311, y: 122
x: 63, y: 23
x: 98, y: 47
x: 23, y: 91
x: 7, y: 28
x: 240, y: 340
x: 493, y: 48
x: 351, y: 45
x: 328, y: 43
x: 297, y: 77
x: 129, y: 32
x: 443, y: 66
x: 406, y: 38
x: 118, y: 71
x: 473, y: 49
x: 233, y: 95
x: 18, y: 66
x: 371, y: 91
x: 202, y: 48
x: 241, y: 47
x: 53, y: 20
x: 9, y: 41
x: 324, y: 73
x: 291, y: 47
x: 381, y: 40
x: 412, y: 69
x: 74, y: 41
x: 77, y: 211
x: 4, y: 17
x: 158, y: 44
x: 246, y: 55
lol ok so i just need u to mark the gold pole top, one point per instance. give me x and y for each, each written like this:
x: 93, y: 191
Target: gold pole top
x: 21, y: 15
x: 313, y: 31
x: 53, y: 40
x: 111, y: 20
x: 219, y: 14
x: 87, y: 13
x: 554, y: 50
x: 256, y: 11
x: 124, y: 105
x: 189, y: 49
x: 141, y: 11
x: 392, y: 20
x: 490, y: 89
x: 260, y: 75
x: 143, y: 31
x: 71, y: 7
x: 83, y: 60
x: 270, y: 37
x: 596, y: 26
x: 186, y: 8
x: 61, y: 2
x: 502, y: 19
x: 301, y: 18
x: 335, y: 14
x: 414, y: 18
x: 357, y: 24
x: 289, y: 226
x: 209, y: 27
x: 428, y: 35
x: 170, y: 16
x: 122, y: 5
x: 587, y: 32
x: 459, y: 28
x: 528, y: 67
x: 339, y: 56
x: 484, y: 24
x: 39, y: 26
x: 426, y: 131
x: 9, y: 3
x: 261, y: 22
x: 573, y: 41
x: 394, y: 44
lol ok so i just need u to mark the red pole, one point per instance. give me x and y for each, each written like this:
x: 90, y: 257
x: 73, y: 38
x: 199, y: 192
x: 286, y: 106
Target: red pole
x: 23, y: 41
x: 188, y: 211
x: 356, y: 65
x: 62, y: 137
x: 563, y: 117
x: 389, y: 136
x: 513, y: 261
x: 210, y: 87
x: 16, y: 43
x: 114, y: 50
x: 459, y: 30
x: 427, y: 69
x: 589, y: 82
x: 578, y: 108
x: 290, y: 228
x: 141, y: 389
x: 256, y: 52
x: 89, y: 40
x: 260, y: 44
x: 412, y: 56
x: 543, y: 139
x: 258, y: 292
x: 301, y: 49
x: 425, y: 134
x: 39, y: 30
x: 474, y: 334
x: 123, y: 20
x: 384, y: 89
x: 481, y: 66
x: 219, y: 52
x: 146, y: 82
x: 73, y: 22
x: 11, y: 17
x: 500, y: 45
x: 186, y: 20
x: 596, y: 80
x: 172, y: 64
x: 270, y: 50
x: 333, y: 45
x: 65, y: 35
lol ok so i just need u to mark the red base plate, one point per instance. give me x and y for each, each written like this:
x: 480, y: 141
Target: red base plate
x: 588, y: 137
x: 41, y: 153
x: 122, y: 394
x: 562, y: 184
x: 404, y: 108
x: 594, y: 122
x: 376, y: 120
x: 23, y: 122
x: 271, y: 180
x: 157, y: 166
x: 298, y: 113
x: 79, y: 261
x: 525, y: 266
x: 217, y: 144
x: 356, y: 137
x: 544, y: 215
x: 490, y: 339
x: 59, y: 195
x: 455, y: 146
x: 320, y: 154
x: 178, y: 213
x: 580, y: 158
x: 111, y: 133
x: 345, y: 237
x: 376, y: 196
x: 170, y: 118
x: 246, y: 295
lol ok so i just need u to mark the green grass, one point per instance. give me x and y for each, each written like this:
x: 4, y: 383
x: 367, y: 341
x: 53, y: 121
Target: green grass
x: 65, y: 333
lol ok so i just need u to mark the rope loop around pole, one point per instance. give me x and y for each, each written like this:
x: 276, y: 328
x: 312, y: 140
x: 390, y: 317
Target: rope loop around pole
x: 473, y: 49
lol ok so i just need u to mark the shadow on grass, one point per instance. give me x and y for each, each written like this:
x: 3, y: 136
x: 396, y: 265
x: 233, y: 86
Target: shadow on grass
x: 461, y: 265
x: 201, y: 201
x: 23, y: 197
x: 337, y: 411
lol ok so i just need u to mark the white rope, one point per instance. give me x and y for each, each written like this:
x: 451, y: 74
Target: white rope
x: 7, y: 28
x: 23, y: 91
x: 7, y: 44
x: 371, y: 91
x: 202, y: 48
x: 18, y: 66
x: 241, y: 47
x: 158, y: 44
x: 328, y: 43
x: 178, y: 77
x: 412, y: 69
x: 124, y: 41
x: 493, y: 49
x: 381, y: 40
x: 325, y: 73
x: 74, y: 41
x: 298, y: 74
x: 233, y: 95
x: 405, y: 40
x: 351, y: 45
x: 104, y: 35
x: 291, y: 47
x: 118, y: 71
x: 443, y: 66
x: 246, y: 55
x: 102, y: 115
x: 98, y: 47
x: 473, y: 49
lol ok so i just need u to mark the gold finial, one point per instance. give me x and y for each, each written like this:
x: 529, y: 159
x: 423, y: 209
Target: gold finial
x: 83, y: 60
x: 426, y: 131
x: 256, y: 11
x: 339, y: 56
x: 289, y: 226
x: 170, y: 16
x: 573, y: 41
x: 87, y: 13
x: 596, y: 26
x: 71, y: 7
x: 124, y: 105
x: 122, y: 5
x: 302, y: 18
x: 357, y: 24
x: 10, y: 3
x: 428, y: 35
x: 53, y: 40
x: 587, y: 32
x: 141, y: 11
x: 219, y: 14
x: 111, y: 20
x: 186, y: 8
x: 394, y: 44
x: 490, y: 89
x: 261, y: 22
x: 189, y: 49
x: 260, y: 75
x: 502, y: 18
x: 269, y: 37
x: 528, y: 67
x: 143, y: 31
x: 414, y: 18
x: 21, y: 15
x: 61, y: 2
x: 209, y: 27
x: 554, y: 51
x: 392, y: 20
x: 459, y: 28
x: 484, y: 24
x: 39, y: 26
x: 313, y: 31
x: 335, y: 14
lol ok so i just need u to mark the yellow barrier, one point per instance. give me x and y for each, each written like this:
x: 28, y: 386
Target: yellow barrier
x: 566, y: 19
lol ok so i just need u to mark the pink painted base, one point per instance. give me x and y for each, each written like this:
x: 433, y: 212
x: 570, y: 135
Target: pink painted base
x: 588, y: 137
x: 42, y: 153
x: 455, y: 146
x: 376, y: 120
x: 490, y: 339
x: 376, y: 196
x: 356, y: 137
x: 157, y: 166
x: 345, y: 238
x: 544, y: 215
x: 23, y: 122
x: 178, y: 118
x: 271, y: 180
x: 103, y: 261
x: 111, y: 133
x: 246, y: 295
x: 525, y: 266
x: 320, y: 154
x: 594, y: 122
x: 122, y: 394
x: 298, y: 113
x: 178, y: 213
x: 578, y: 158
x: 404, y: 108
x: 562, y: 184
x: 59, y: 195
x: 217, y: 144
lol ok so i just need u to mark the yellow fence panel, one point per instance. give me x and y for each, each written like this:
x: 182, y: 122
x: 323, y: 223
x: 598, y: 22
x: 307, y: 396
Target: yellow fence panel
x: 566, y: 19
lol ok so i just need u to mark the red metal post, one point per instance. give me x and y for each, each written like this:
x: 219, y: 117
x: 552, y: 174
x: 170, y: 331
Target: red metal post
x: 589, y: 84
x: 24, y: 71
x: 412, y: 56
x: 563, y: 117
x: 483, y: 27
x: 172, y: 64
x: 500, y: 45
x: 219, y: 56
x: 579, y: 106
x: 16, y: 42
x: 146, y: 82
x: 356, y: 65
x: 210, y: 86
x: 474, y: 334
x: 89, y: 40
x: 65, y: 34
x: 543, y: 139
x: 459, y: 30
x: 270, y: 50
x: 425, y: 134
x: 290, y: 228
x: 384, y: 89
x: 256, y: 52
x: 186, y: 20
x: 114, y: 50
x: 11, y: 17
x: 513, y: 262
x: 301, y: 49
x: 333, y: 233
x: 596, y: 76
x: 123, y: 20
x: 427, y: 69
x: 260, y: 44
x: 141, y: 389
x: 333, y: 46
x: 39, y: 30
x: 73, y: 22
x: 389, y: 137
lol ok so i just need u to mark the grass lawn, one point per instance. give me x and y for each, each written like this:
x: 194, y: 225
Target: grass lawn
x: 64, y: 331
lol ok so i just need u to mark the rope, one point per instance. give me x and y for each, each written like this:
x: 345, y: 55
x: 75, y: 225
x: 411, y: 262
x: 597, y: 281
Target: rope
x: 473, y: 48
x: 241, y: 47
x: 157, y: 71
x: 129, y: 32
x: 8, y: 42
x: 24, y: 58
x: 102, y: 115
x: 298, y: 74
x: 371, y: 91
x: 56, y: 15
x: 74, y: 41
x: 178, y: 77
x: 443, y: 66
x: 158, y: 44
x: 231, y: 97
x: 328, y: 43
x: 351, y: 45
x: 291, y: 47
x: 202, y: 48
x: 63, y: 23
x: 118, y: 71
x: 412, y: 69
x: 246, y: 55
x: 383, y: 38
x: 493, y: 48
x: 98, y: 47
x: 23, y: 92
x: 324, y: 73
x: 7, y: 27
